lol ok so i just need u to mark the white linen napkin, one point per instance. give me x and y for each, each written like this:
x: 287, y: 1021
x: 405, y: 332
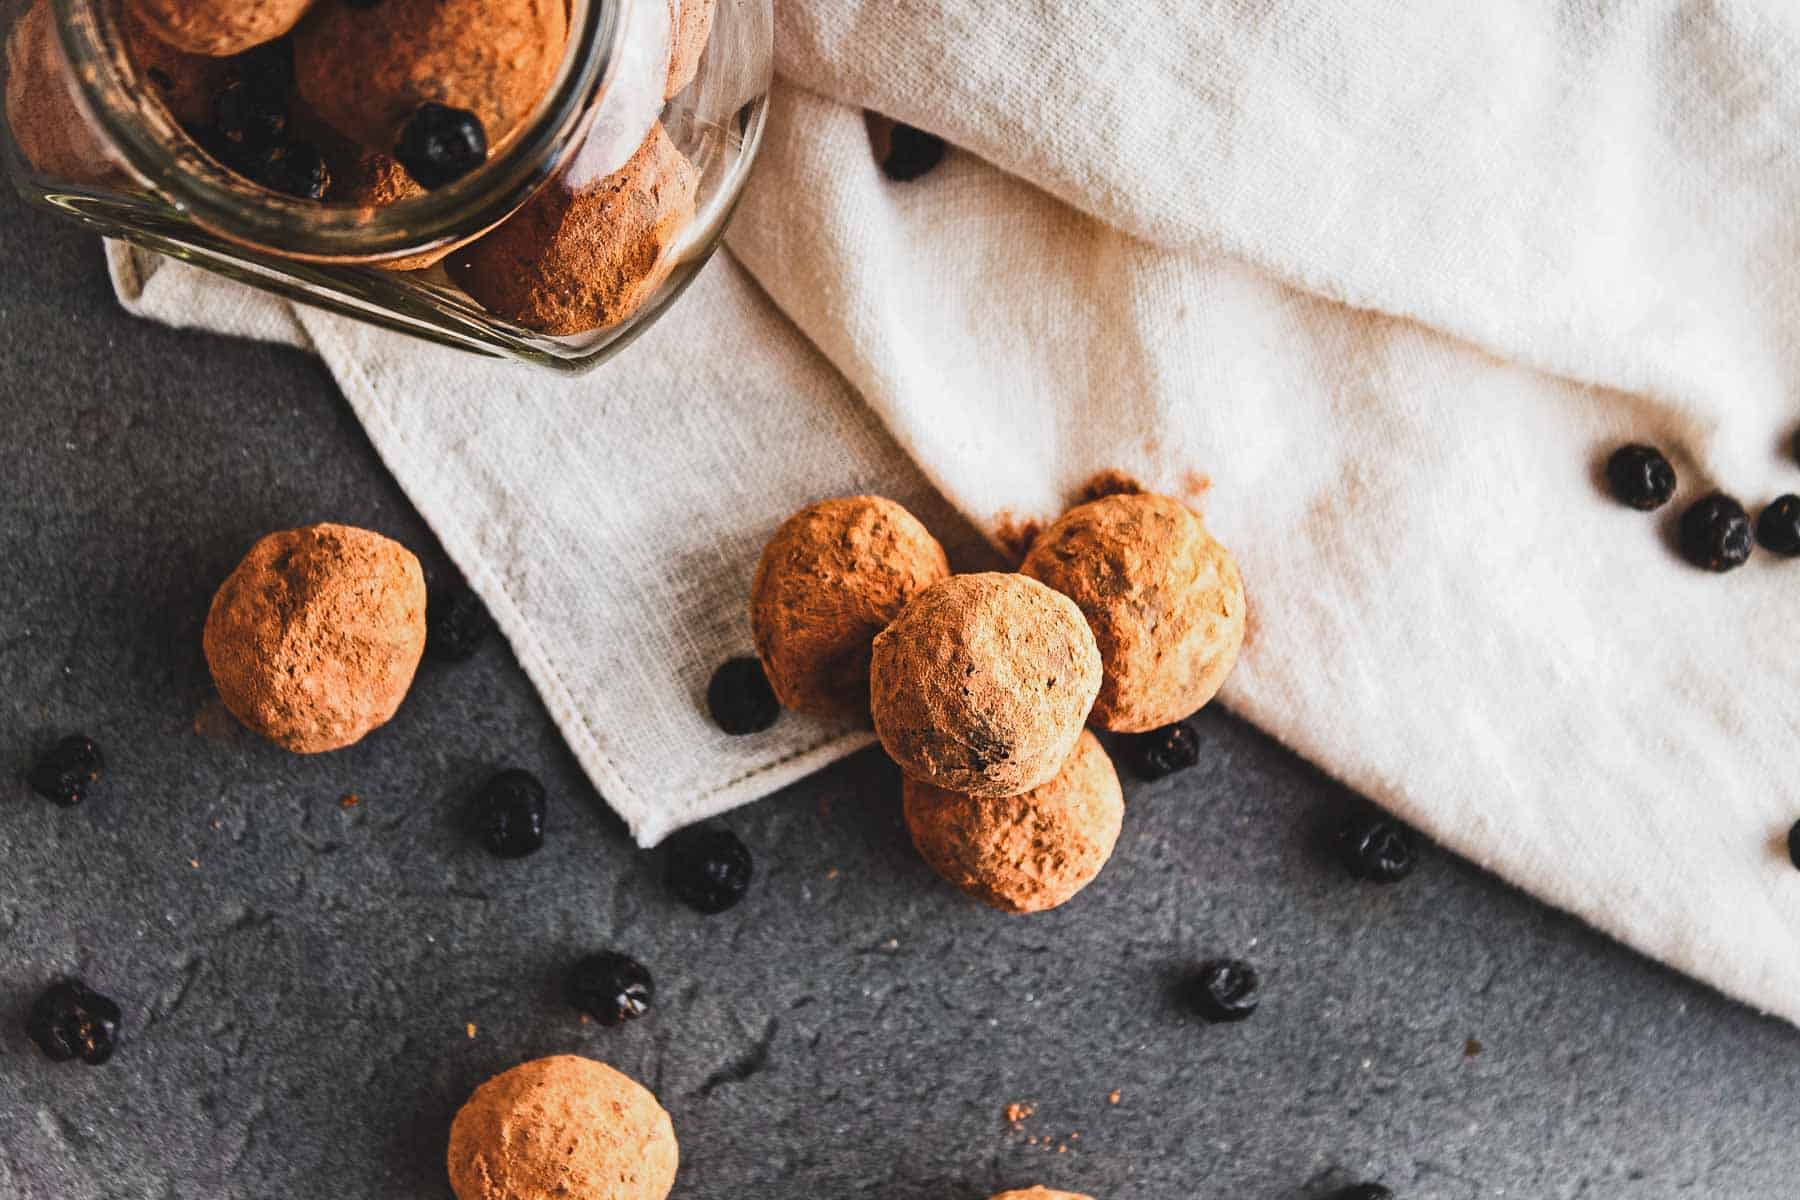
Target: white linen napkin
x: 1376, y: 286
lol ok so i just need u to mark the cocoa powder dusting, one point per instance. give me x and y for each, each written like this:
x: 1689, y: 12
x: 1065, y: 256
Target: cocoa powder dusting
x: 1015, y: 536
x: 1109, y: 482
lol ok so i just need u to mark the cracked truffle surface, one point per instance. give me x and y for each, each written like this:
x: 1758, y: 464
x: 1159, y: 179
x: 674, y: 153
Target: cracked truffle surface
x: 219, y: 27
x: 562, y: 1128
x: 366, y: 68
x: 1166, y: 603
x: 1023, y: 854
x: 313, y: 640
x: 572, y: 261
x: 983, y: 683
x: 835, y: 575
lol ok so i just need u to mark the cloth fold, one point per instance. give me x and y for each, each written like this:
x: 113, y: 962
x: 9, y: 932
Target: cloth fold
x: 1375, y: 289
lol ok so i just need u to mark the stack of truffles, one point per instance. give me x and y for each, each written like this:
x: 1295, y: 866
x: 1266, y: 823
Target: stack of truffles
x: 366, y: 104
x: 1126, y: 615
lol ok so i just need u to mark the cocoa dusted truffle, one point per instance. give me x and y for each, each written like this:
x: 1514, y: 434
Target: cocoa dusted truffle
x: 562, y: 1128
x: 53, y: 136
x: 314, y: 638
x: 1023, y: 854
x: 690, y: 28
x: 367, y: 68
x: 1165, y: 601
x: 576, y: 259
x: 219, y: 27
x: 185, y: 83
x: 833, y: 576
x: 982, y: 684
x: 1041, y: 1193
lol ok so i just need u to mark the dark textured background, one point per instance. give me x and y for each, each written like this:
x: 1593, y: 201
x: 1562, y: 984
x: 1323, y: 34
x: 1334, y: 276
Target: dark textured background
x: 297, y: 1002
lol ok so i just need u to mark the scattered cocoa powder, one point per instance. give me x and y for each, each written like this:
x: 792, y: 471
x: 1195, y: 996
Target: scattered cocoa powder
x: 560, y: 1127
x: 214, y: 720
x: 1029, y: 853
x: 834, y: 575
x: 1165, y: 601
x: 982, y: 684
x: 1109, y: 482
x: 314, y: 638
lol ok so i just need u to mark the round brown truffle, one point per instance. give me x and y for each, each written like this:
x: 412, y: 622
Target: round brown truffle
x: 833, y: 576
x: 219, y: 27
x: 1165, y: 601
x: 982, y: 684
x: 366, y: 69
x: 1023, y: 854
x: 1041, y: 1193
x: 314, y: 638
x: 572, y: 261
x: 562, y: 1128
x: 186, y: 83
x: 690, y: 28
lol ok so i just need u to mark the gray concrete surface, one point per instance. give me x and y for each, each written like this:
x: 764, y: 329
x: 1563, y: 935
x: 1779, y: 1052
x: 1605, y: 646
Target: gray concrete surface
x: 299, y: 976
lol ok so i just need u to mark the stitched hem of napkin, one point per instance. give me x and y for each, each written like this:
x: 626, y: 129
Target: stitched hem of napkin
x: 648, y: 824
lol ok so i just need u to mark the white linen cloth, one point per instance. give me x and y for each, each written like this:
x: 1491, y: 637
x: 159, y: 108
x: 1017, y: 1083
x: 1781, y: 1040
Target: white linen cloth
x: 1376, y: 285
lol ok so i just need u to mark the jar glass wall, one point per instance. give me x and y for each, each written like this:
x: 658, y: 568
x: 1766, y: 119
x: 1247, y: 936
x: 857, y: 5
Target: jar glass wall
x: 530, y: 178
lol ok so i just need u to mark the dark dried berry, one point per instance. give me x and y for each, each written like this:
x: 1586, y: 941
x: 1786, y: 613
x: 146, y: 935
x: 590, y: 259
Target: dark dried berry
x: 292, y: 168
x: 509, y: 814
x: 1162, y: 752
x: 912, y: 153
x: 456, y: 624
x: 708, y: 869
x: 611, y: 988
x: 1378, y: 849
x: 269, y: 68
x: 71, y: 1020
x: 1224, y: 990
x: 1778, y: 528
x: 1640, y: 476
x: 1715, y: 533
x: 1363, y: 1191
x: 62, y: 776
x: 441, y: 144
x: 740, y: 698
x: 1794, y: 845
x: 249, y: 117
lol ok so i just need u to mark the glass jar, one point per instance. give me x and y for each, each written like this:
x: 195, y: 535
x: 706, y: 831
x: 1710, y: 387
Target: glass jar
x: 578, y: 187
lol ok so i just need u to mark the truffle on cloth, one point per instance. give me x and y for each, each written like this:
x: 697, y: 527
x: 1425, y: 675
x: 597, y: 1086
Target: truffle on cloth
x: 314, y: 638
x: 1166, y: 603
x: 982, y: 684
x: 1023, y: 854
x: 562, y: 1128
x: 575, y: 260
x: 366, y: 68
x: 219, y: 27
x: 690, y: 28
x: 1041, y: 1193
x: 833, y: 576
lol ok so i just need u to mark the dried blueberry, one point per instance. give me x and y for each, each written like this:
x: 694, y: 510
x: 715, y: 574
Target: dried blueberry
x: 1224, y: 990
x: 1162, y: 752
x: 62, y: 776
x: 1378, y: 849
x: 249, y: 117
x: 71, y: 1020
x: 1794, y: 845
x: 1363, y: 1191
x: 456, y: 623
x: 292, y: 168
x: 912, y: 153
x: 1640, y: 476
x: 509, y: 814
x: 1778, y: 528
x: 1715, y: 533
x: 740, y: 698
x: 440, y: 144
x: 708, y: 869
x: 611, y: 988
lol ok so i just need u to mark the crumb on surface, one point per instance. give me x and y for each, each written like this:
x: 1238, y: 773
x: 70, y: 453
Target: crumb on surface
x: 194, y: 863
x: 349, y: 800
x: 1472, y: 1048
x: 1112, y: 1097
x: 1017, y: 1112
x: 470, y: 1029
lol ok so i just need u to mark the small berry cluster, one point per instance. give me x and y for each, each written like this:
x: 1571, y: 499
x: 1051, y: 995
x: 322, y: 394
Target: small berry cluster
x: 1715, y: 532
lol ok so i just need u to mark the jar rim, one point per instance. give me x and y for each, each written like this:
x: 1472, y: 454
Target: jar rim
x: 154, y: 146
